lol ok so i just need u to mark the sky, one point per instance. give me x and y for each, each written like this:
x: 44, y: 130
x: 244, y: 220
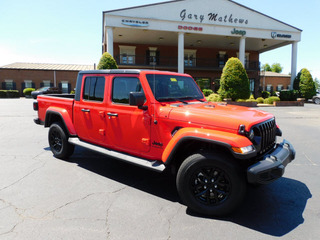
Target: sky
x: 70, y: 31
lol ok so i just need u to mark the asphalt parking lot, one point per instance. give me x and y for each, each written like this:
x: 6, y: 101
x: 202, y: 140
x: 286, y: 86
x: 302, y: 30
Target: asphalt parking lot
x: 93, y: 197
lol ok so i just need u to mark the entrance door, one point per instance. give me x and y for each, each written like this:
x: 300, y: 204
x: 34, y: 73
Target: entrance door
x: 128, y: 126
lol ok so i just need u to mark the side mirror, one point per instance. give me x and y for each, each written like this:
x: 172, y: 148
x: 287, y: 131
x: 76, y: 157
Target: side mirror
x: 137, y: 99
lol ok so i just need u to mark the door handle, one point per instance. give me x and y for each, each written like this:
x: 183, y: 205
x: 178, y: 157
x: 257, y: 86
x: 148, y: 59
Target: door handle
x: 112, y: 114
x: 85, y: 110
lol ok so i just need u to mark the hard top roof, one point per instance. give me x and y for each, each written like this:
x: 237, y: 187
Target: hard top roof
x: 124, y: 71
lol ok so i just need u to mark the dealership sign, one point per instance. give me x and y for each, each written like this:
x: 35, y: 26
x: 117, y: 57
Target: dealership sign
x: 190, y: 28
x: 135, y: 23
x: 277, y: 35
x: 213, y: 17
x: 238, y: 32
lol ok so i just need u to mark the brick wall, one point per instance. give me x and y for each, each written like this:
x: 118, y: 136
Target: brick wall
x: 37, y: 76
x: 274, y: 81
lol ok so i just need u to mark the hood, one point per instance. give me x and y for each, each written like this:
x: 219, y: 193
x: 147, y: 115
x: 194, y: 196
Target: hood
x: 218, y: 115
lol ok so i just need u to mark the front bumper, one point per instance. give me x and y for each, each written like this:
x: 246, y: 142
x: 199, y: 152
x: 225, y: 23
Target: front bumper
x: 273, y: 164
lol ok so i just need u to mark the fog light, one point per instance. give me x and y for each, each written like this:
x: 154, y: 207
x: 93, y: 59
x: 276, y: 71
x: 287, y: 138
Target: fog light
x: 244, y: 150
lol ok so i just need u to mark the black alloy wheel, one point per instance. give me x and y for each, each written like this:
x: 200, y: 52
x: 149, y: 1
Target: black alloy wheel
x: 55, y: 140
x: 58, y: 141
x: 211, y: 184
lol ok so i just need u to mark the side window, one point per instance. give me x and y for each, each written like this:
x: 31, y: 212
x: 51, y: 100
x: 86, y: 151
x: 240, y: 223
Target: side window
x: 122, y: 86
x: 94, y: 89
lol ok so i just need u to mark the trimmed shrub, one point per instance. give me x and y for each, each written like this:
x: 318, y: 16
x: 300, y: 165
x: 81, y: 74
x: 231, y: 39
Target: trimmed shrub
x: 214, y: 98
x: 3, y: 93
x: 270, y: 100
x: 9, y: 94
x: 296, y: 82
x: 260, y: 99
x: 27, y: 91
x: 207, y: 92
x: 107, y: 62
x: 246, y: 100
x: 289, y: 95
x: 234, y: 81
x: 265, y: 94
x: 251, y: 100
x: 307, y: 85
x: 13, y: 94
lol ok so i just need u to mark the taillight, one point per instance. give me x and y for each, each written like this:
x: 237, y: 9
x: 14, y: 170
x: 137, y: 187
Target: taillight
x: 35, y: 106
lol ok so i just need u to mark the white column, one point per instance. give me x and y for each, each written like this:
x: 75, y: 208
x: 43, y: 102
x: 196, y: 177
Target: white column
x: 242, y: 50
x: 54, y: 79
x: 110, y: 40
x: 294, y: 57
x: 181, y: 53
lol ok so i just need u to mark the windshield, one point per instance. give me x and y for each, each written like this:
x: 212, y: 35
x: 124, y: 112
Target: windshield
x: 173, y: 88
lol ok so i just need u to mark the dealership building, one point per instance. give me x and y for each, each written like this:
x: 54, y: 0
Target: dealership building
x: 196, y: 37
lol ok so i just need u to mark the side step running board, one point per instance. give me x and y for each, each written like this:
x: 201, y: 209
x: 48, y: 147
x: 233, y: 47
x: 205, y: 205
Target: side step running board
x: 154, y: 165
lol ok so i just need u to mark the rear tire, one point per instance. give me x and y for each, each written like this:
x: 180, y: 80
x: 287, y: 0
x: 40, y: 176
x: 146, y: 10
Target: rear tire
x: 58, y: 142
x: 317, y: 100
x: 210, y: 184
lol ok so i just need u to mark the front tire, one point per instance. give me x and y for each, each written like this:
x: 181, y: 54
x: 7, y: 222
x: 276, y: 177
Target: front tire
x: 317, y: 100
x: 58, y: 142
x: 210, y: 184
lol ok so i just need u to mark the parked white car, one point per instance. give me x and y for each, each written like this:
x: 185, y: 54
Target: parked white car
x: 316, y: 98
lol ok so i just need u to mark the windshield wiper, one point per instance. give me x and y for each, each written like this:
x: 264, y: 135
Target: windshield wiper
x: 171, y: 99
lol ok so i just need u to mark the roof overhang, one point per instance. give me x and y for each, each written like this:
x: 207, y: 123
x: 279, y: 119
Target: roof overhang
x: 206, y: 23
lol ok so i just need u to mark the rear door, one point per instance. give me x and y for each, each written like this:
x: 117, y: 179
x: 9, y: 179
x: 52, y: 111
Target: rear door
x: 89, y: 111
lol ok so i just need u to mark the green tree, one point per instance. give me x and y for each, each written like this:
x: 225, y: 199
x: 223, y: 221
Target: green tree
x: 266, y: 67
x: 107, y: 62
x: 296, y: 82
x: 307, y: 85
x: 234, y: 81
x: 276, y: 67
x: 317, y: 83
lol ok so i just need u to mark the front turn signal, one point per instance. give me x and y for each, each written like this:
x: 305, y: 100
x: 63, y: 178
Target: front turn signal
x: 244, y: 150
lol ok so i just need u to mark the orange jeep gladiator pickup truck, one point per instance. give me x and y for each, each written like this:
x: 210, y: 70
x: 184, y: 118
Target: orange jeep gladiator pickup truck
x: 161, y: 120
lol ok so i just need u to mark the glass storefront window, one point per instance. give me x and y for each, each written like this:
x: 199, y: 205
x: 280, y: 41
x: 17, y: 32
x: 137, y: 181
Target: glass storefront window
x: 127, y: 54
x: 190, y: 58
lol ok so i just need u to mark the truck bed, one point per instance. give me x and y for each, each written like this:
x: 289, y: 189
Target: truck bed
x: 64, y: 102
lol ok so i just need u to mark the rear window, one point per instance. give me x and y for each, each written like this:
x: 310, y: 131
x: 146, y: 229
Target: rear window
x: 94, y: 89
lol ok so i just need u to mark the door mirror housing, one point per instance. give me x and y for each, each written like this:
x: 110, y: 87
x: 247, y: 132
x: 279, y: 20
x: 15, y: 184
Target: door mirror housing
x: 137, y: 99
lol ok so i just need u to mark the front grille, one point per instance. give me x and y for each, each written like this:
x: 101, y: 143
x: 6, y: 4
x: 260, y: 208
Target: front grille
x: 265, y: 135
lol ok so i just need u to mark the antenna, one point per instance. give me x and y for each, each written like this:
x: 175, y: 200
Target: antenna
x: 154, y: 89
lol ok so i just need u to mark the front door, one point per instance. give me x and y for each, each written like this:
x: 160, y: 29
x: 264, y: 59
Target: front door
x: 128, y: 126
